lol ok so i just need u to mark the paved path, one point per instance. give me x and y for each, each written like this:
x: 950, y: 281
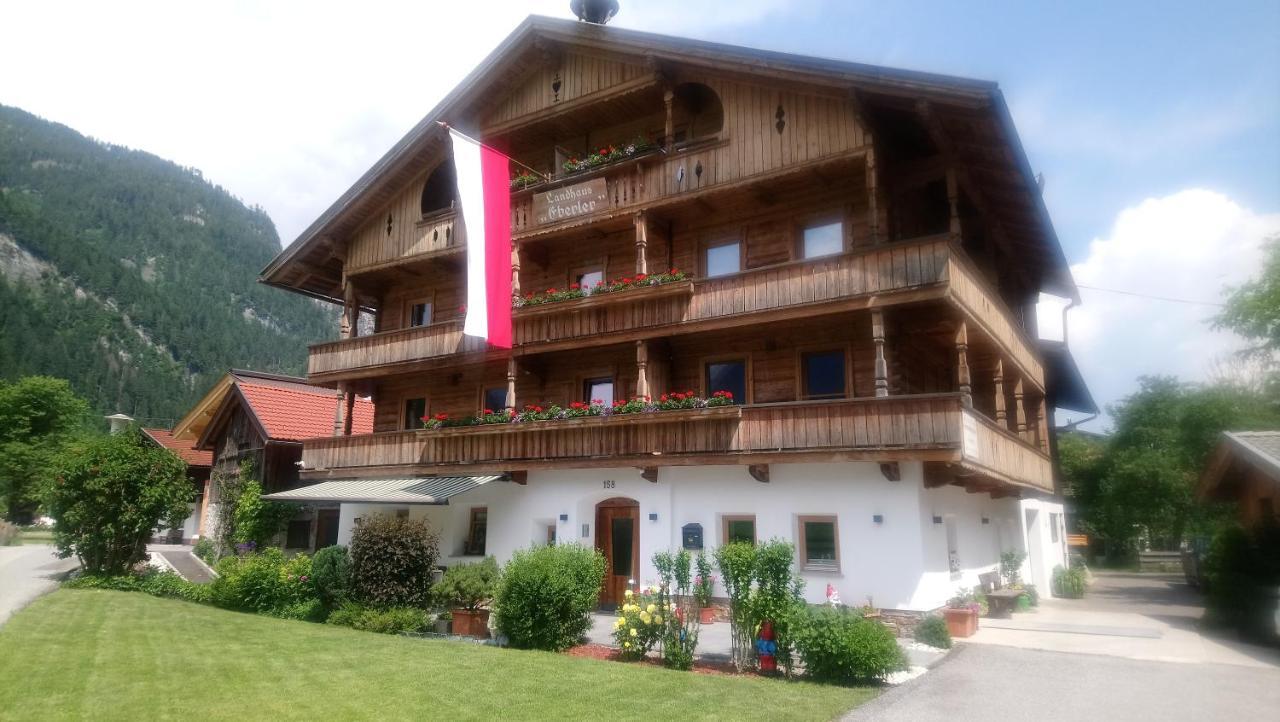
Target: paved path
x: 183, y: 562
x: 26, y: 572
x: 985, y: 682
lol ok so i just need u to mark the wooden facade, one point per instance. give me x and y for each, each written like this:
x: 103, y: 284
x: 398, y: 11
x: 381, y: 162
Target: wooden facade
x: 926, y: 292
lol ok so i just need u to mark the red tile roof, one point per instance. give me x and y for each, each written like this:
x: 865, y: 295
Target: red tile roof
x: 293, y: 412
x: 184, y: 448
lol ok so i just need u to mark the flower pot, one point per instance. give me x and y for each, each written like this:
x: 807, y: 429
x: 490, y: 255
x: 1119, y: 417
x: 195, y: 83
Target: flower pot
x: 961, y: 622
x: 469, y: 623
x: 706, y: 615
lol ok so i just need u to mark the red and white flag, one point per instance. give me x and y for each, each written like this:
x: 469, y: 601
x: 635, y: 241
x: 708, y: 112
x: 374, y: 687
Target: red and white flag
x: 484, y: 192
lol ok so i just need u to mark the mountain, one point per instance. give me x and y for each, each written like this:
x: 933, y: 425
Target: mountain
x: 133, y: 277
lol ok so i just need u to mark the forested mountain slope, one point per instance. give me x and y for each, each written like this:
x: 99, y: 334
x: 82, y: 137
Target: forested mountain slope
x: 134, y: 277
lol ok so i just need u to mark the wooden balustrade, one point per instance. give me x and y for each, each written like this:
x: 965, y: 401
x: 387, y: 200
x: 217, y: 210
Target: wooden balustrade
x: 1004, y: 454
x: 390, y: 348
x: 988, y: 311
x: 392, y: 448
x: 439, y: 233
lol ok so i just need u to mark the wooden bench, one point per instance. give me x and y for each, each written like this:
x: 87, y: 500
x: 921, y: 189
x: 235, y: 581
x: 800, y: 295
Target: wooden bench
x: 1000, y: 603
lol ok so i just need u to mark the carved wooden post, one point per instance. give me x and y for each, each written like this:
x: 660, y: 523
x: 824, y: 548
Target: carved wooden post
x: 349, y: 321
x: 953, y: 199
x: 997, y: 380
x: 642, y: 243
x: 1019, y: 408
x: 962, y: 366
x: 1042, y: 429
x: 515, y: 269
x: 882, y: 367
x: 511, y: 384
x: 642, y: 369
x: 669, y: 128
x: 339, y: 406
x: 873, y: 203
x: 349, y: 400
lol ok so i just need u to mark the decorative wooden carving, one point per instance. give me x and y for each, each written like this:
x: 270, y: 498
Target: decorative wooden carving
x: 642, y: 243
x: 997, y: 380
x: 781, y: 116
x: 642, y: 368
x: 511, y: 383
x: 339, y: 407
x: 1019, y: 408
x: 649, y: 474
x: 963, y: 382
x: 882, y: 367
x: 937, y: 474
x: 759, y: 472
x: 891, y: 470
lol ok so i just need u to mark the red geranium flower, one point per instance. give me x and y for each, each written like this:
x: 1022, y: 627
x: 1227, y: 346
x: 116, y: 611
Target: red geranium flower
x: 574, y: 286
x: 488, y: 412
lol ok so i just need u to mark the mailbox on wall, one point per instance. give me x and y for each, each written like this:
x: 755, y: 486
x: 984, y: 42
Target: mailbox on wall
x: 692, y: 536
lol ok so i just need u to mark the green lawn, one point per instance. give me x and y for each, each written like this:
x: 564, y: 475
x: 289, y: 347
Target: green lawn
x: 116, y: 655
x: 29, y: 535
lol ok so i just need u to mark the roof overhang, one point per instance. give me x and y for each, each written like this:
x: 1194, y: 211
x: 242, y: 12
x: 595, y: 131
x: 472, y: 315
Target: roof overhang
x: 1231, y: 460
x: 1063, y: 381
x: 400, y: 491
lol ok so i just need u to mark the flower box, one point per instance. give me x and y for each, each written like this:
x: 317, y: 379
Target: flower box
x: 961, y: 622
x: 607, y: 298
x: 654, y: 417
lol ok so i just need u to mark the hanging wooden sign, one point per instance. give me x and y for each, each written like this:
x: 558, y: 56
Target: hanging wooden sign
x: 562, y: 204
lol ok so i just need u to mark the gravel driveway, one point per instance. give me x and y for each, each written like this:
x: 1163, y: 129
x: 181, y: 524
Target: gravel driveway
x: 26, y: 572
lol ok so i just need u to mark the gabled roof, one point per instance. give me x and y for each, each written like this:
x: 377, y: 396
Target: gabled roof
x: 993, y: 154
x: 1259, y: 450
x: 184, y: 448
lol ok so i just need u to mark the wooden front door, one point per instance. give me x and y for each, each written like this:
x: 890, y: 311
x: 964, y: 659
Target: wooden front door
x: 618, y: 538
x: 326, y: 528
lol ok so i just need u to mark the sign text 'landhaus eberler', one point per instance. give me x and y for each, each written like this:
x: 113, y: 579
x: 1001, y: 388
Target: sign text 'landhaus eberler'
x: 573, y: 201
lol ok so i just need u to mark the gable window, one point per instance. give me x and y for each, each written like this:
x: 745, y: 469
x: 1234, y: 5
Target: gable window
x: 495, y: 400
x: 414, y: 410
x: 723, y: 259
x: 728, y: 375
x: 823, y: 239
x: 440, y: 190
x: 420, y: 314
x: 477, y: 531
x: 819, y: 543
x: 600, y: 389
x: 739, y: 528
x: 823, y: 374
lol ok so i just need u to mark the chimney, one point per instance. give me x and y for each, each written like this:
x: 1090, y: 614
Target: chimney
x: 597, y: 12
x: 119, y: 422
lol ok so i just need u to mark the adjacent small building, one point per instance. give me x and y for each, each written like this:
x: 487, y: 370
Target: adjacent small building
x: 198, y: 465
x: 1245, y: 469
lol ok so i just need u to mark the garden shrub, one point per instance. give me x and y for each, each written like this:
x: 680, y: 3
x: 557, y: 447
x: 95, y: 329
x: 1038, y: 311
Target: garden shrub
x: 840, y: 645
x: 256, y: 520
x: 1011, y: 567
x: 391, y: 561
x: 778, y: 596
x: 933, y: 632
x: 546, y: 596
x: 331, y: 574
x: 737, y: 563
x: 261, y: 581
x: 8, y: 533
x: 1238, y: 569
x: 467, y: 586
x: 1068, y: 583
x: 676, y: 609
x: 206, y: 550
x: 156, y: 583
x: 307, y: 610
x: 1022, y: 603
x: 386, y: 620
x: 1032, y: 594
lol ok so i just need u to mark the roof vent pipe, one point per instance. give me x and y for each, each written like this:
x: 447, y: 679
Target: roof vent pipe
x: 598, y: 12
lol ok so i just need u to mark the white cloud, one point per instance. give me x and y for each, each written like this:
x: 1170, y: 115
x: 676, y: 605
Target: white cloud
x: 1188, y: 246
x: 283, y: 103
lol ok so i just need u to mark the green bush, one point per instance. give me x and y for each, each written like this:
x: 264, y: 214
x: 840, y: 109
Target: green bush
x: 546, y: 596
x: 157, y: 584
x: 467, y: 586
x: 1033, y: 594
x: 256, y: 520
x: 8, y: 533
x: 389, y: 620
x: 1022, y: 603
x: 206, y: 550
x: 308, y: 610
x: 114, y: 582
x: 933, y: 632
x: 331, y: 573
x: 839, y: 645
x: 391, y: 561
x: 1011, y: 567
x: 262, y: 581
x: 1068, y: 583
x: 1239, y: 568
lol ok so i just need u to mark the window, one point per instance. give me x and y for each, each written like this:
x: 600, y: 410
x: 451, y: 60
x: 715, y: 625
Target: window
x: 414, y: 410
x: 739, y: 528
x: 420, y: 314
x: 731, y: 376
x: 477, y: 531
x: 600, y: 389
x: 495, y: 399
x: 440, y: 189
x: 823, y: 239
x: 588, y: 279
x: 823, y: 374
x: 298, y: 535
x: 819, y: 543
x: 1053, y: 527
x: 724, y: 259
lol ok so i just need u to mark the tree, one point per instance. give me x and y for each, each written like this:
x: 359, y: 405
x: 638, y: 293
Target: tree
x: 108, y: 495
x: 1253, y: 309
x: 38, y: 414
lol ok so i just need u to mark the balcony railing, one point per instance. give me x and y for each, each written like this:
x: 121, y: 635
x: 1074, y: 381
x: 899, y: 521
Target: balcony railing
x: 390, y: 348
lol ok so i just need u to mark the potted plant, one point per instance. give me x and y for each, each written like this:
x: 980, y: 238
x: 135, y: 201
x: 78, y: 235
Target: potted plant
x: 962, y: 614
x: 465, y: 590
x: 703, y: 583
x: 442, y: 622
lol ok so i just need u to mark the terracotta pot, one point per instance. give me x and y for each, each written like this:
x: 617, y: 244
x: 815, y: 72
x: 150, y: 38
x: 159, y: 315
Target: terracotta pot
x: 467, y: 623
x: 706, y: 615
x: 961, y: 622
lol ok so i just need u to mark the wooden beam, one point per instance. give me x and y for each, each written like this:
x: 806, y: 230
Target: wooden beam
x: 519, y: 477
x: 338, y: 407
x: 649, y: 474
x: 963, y: 382
x: 511, y: 384
x: 881, y: 366
x: 891, y: 470
x: 642, y: 243
x: 642, y: 369
x: 873, y: 202
x: 759, y: 472
x: 1019, y: 408
x: 997, y: 380
x: 937, y: 475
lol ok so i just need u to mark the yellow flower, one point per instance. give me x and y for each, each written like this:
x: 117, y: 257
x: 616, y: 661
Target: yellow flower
x: 627, y: 594
x: 634, y: 633
x: 651, y: 608
x: 644, y: 617
x: 619, y: 622
x: 658, y: 619
x: 626, y: 645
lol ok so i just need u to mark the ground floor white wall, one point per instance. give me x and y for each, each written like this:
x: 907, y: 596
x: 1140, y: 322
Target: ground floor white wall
x: 1043, y: 525
x: 903, y: 560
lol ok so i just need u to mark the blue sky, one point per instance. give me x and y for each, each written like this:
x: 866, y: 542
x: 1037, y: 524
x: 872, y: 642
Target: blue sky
x: 1156, y: 125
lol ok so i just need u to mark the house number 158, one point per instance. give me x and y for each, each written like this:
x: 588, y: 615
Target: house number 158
x: 610, y: 483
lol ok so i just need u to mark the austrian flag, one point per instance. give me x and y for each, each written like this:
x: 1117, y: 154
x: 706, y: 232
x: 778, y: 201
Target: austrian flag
x: 484, y: 192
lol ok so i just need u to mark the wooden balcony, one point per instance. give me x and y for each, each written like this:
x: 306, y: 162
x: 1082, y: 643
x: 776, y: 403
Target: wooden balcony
x: 933, y: 427
x: 356, y: 356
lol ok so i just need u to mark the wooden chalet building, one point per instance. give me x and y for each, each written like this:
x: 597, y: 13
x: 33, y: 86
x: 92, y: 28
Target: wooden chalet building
x: 862, y: 250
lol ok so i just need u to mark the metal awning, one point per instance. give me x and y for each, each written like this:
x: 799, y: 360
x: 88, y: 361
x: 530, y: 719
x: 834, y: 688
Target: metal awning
x: 417, y: 490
